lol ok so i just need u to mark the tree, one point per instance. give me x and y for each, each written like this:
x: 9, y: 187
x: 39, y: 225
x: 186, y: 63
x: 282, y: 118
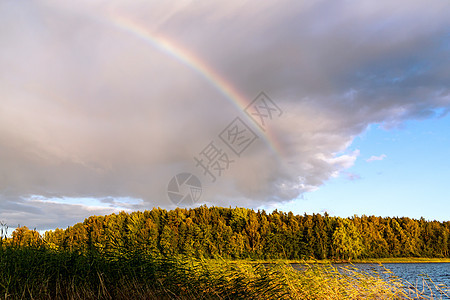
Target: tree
x: 252, y: 230
x: 346, y: 240
x: 167, y: 241
x: 24, y: 237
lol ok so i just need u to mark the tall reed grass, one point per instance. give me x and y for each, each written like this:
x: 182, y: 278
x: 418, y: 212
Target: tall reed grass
x: 31, y: 273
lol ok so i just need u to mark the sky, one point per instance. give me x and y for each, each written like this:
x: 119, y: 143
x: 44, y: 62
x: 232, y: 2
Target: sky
x: 303, y: 106
x: 407, y: 176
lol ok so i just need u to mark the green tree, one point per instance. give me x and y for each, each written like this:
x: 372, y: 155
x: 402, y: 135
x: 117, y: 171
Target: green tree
x: 346, y: 240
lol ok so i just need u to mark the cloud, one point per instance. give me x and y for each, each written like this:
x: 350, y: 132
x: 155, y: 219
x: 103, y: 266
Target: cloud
x: 374, y: 158
x: 352, y: 176
x: 43, y: 214
x: 91, y: 109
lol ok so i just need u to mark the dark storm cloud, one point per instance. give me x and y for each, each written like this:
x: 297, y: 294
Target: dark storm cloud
x: 90, y: 110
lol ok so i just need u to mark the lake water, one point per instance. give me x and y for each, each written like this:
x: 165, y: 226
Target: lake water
x: 417, y: 274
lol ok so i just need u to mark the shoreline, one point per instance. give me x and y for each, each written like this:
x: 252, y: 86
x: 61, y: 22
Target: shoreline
x: 399, y: 260
x: 391, y: 260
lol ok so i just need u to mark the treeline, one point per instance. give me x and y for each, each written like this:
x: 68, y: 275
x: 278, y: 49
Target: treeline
x: 244, y: 233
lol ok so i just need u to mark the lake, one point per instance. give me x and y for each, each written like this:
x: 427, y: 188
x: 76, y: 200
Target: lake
x: 415, y: 273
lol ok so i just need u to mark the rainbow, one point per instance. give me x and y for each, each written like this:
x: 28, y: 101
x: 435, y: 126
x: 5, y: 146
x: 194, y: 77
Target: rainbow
x: 187, y: 58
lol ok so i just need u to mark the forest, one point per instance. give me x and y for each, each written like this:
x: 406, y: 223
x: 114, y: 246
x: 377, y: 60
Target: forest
x: 241, y: 233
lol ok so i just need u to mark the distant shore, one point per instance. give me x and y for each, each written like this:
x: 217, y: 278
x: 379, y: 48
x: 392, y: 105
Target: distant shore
x: 402, y: 260
x: 388, y: 260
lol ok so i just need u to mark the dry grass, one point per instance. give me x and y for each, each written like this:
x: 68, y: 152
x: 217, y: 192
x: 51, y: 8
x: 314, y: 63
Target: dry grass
x: 42, y: 274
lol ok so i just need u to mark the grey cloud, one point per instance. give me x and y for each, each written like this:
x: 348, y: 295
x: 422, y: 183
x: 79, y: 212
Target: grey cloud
x: 90, y: 110
x: 45, y: 216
